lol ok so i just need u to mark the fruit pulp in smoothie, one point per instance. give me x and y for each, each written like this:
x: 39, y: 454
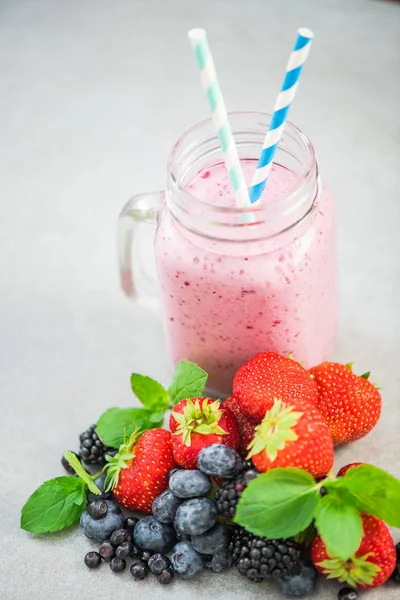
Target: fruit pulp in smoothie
x: 223, y: 305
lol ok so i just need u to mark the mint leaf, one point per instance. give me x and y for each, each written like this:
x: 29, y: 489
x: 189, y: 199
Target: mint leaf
x: 117, y: 422
x: 150, y: 393
x: 157, y: 419
x: 339, y: 523
x: 189, y: 382
x: 55, y: 505
x: 80, y: 471
x: 278, y: 504
x: 375, y: 492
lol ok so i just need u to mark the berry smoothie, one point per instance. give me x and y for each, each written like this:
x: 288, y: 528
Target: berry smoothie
x: 223, y: 302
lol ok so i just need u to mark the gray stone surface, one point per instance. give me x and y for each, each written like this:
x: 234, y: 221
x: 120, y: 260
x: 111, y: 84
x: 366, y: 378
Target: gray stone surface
x: 92, y: 95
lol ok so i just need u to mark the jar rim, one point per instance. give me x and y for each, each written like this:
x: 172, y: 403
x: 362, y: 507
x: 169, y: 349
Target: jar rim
x: 310, y: 171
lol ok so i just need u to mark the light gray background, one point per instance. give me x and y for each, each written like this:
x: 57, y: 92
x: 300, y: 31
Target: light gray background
x: 92, y: 95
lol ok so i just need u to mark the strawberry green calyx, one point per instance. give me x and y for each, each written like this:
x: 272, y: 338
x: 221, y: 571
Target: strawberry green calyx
x: 355, y: 571
x: 275, y: 430
x: 120, y: 461
x: 198, y: 419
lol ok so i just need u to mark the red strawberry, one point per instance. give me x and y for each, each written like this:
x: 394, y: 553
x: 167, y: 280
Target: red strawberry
x: 371, y: 565
x: 198, y: 422
x: 350, y: 404
x: 268, y: 376
x: 139, y: 472
x: 246, y: 425
x: 293, y: 434
x: 344, y: 469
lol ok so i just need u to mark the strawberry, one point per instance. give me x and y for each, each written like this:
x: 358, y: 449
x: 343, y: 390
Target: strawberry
x: 371, y: 565
x: 199, y: 422
x: 344, y: 469
x: 293, y: 434
x: 246, y: 425
x: 350, y: 404
x: 268, y: 376
x: 139, y: 472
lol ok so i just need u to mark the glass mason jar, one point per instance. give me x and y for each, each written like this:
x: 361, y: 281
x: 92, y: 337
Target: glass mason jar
x: 233, y: 282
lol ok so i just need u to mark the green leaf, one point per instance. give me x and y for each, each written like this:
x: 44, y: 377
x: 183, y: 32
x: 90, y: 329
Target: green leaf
x: 375, y: 492
x: 189, y: 382
x: 55, y: 505
x: 150, y: 393
x: 366, y: 375
x: 80, y: 471
x: 157, y: 418
x: 278, y: 504
x: 116, y: 422
x: 339, y: 523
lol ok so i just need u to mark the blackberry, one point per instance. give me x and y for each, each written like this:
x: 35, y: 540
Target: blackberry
x: 92, y: 450
x: 227, y: 497
x: 258, y: 558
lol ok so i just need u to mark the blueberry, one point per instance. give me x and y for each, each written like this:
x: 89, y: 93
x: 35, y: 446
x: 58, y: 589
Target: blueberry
x: 298, y: 584
x: 101, y: 529
x: 130, y: 522
x: 220, y: 561
x: 347, y: 594
x: 98, y: 509
x: 92, y: 560
x: 165, y: 506
x: 107, y: 550
x: 117, y: 565
x: 100, y: 482
x: 119, y: 536
x: 166, y: 576
x: 139, y: 570
x: 124, y: 550
x: 196, y: 516
x: 213, y: 540
x: 151, y: 534
x: 219, y: 460
x: 185, y: 560
x: 189, y: 484
x: 158, y: 563
x: 172, y: 471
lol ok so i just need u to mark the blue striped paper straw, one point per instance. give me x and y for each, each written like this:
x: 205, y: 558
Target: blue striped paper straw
x: 282, y: 105
x: 205, y: 63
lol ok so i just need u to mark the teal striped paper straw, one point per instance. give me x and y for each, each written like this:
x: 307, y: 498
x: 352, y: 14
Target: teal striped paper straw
x: 282, y: 105
x: 205, y: 63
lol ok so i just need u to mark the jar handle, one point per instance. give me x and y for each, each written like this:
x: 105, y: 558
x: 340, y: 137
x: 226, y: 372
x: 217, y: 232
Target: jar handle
x: 134, y: 250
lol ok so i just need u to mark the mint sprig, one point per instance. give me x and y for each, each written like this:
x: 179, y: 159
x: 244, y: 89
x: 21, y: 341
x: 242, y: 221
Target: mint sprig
x: 278, y: 504
x: 189, y: 381
x: 374, y: 492
x: 55, y: 505
x: 59, y: 502
x: 150, y: 392
x: 117, y: 422
x: 283, y: 502
x: 338, y: 522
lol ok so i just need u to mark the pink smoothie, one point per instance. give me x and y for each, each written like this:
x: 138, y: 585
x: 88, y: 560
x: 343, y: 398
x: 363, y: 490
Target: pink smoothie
x: 222, y: 304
